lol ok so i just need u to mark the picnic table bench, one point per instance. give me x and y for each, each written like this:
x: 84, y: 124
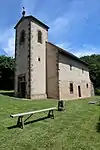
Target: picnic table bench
x: 21, y: 121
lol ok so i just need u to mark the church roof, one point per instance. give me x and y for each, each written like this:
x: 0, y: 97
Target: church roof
x: 31, y: 18
x: 66, y: 53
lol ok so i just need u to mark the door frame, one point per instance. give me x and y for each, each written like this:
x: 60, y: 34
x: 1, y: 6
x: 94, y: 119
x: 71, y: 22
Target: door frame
x: 21, y: 79
x: 79, y: 91
x: 21, y: 90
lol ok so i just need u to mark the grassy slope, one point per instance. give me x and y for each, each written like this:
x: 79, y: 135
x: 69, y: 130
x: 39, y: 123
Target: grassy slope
x: 73, y: 129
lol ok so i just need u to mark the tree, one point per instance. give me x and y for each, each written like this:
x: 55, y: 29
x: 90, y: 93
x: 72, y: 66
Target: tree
x: 94, y: 68
x: 6, y: 73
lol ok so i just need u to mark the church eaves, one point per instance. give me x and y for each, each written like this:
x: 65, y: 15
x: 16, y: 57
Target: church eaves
x: 31, y: 18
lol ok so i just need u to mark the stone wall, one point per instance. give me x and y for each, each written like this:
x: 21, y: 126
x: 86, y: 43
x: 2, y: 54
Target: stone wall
x: 52, y: 72
x: 22, y: 56
x: 75, y: 76
x: 38, y: 62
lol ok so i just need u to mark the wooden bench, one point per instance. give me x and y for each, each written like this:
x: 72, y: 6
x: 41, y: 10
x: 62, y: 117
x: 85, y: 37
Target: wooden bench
x: 21, y: 121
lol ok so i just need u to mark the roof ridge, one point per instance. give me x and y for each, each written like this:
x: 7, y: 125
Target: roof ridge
x: 68, y: 53
x: 32, y: 18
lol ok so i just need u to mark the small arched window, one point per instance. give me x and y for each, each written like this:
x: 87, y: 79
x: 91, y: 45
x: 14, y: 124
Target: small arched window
x: 82, y: 70
x: 71, y: 88
x: 22, y: 37
x: 40, y: 37
x: 70, y: 67
x: 87, y: 85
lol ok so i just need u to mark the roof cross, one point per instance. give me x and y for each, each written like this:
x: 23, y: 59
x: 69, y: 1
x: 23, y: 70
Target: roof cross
x: 23, y: 13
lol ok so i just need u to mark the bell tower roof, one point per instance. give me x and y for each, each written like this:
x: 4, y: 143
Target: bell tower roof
x: 31, y: 18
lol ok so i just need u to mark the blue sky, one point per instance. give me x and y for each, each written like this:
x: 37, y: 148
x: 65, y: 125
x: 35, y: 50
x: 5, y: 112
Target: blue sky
x: 74, y: 24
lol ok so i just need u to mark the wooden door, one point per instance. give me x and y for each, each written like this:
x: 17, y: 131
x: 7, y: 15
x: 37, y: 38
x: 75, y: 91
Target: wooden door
x: 79, y: 91
x: 22, y: 89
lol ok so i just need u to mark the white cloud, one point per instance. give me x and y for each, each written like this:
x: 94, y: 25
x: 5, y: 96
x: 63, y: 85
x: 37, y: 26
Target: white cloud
x: 82, y: 53
x: 7, y: 37
x: 58, y: 25
x: 72, y: 23
x: 7, y: 41
x: 74, y: 19
x: 65, y: 45
x: 79, y: 52
x: 87, y: 50
x: 71, y: 19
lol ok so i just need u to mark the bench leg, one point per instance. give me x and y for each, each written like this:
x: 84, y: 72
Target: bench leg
x: 51, y: 114
x: 28, y: 117
x: 20, y: 122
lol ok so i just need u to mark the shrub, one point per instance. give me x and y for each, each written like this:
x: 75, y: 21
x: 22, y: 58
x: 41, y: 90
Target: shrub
x: 97, y: 92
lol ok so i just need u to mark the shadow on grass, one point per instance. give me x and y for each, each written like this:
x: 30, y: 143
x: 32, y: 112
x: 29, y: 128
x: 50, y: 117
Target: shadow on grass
x: 8, y: 93
x: 98, y: 125
x: 29, y: 122
x: 98, y: 104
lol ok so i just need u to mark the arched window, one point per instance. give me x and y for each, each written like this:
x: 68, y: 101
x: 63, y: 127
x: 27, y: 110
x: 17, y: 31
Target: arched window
x: 82, y: 70
x: 70, y: 67
x: 39, y: 36
x: 87, y: 85
x: 22, y: 37
x: 71, y: 88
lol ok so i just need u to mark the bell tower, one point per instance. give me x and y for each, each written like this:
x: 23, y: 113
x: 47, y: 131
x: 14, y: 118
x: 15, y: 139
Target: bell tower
x: 30, y: 57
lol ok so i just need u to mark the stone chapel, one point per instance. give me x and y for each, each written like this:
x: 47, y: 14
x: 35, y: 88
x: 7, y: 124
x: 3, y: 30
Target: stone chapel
x: 44, y: 70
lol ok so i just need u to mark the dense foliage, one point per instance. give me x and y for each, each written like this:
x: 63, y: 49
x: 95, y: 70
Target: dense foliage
x: 6, y: 73
x: 94, y: 68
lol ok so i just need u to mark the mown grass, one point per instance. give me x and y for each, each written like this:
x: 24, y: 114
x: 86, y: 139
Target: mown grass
x: 73, y: 129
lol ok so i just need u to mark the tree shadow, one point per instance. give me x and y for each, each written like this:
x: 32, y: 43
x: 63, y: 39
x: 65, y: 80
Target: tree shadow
x: 98, y: 125
x: 29, y: 122
x: 8, y: 93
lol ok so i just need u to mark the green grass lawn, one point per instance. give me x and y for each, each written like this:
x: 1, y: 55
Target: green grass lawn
x: 72, y: 129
